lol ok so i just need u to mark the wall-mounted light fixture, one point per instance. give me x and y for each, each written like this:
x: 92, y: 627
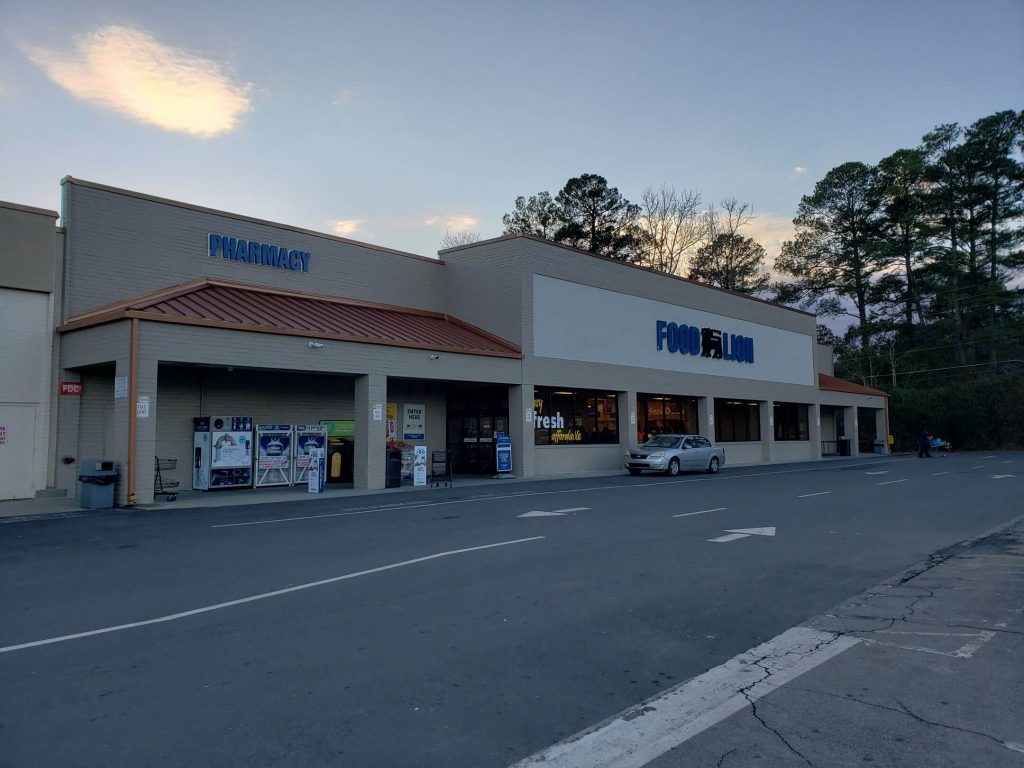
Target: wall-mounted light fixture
x: 435, y: 357
x: 316, y: 345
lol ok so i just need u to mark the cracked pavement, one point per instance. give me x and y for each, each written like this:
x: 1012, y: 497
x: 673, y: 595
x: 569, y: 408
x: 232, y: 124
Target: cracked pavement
x: 937, y: 678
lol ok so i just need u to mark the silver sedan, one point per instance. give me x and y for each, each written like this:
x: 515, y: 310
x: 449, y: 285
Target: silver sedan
x: 674, y: 453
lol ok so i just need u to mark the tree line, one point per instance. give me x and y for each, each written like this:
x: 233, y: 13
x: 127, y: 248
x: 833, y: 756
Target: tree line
x: 669, y: 230
x: 922, y: 252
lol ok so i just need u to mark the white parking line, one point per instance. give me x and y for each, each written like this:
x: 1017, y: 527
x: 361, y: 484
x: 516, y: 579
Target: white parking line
x: 978, y: 467
x: 936, y: 474
x: 571, y: 509
x: 988, y: 457
x: 702, y: 512
x: 262, y: 596
x: 819, y: 493
x: 638, y: 735
x: 890, y: 482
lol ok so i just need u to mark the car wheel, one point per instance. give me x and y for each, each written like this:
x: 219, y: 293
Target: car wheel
x: 673, y: 468
x: 713, y: 466
x: 634, y: 471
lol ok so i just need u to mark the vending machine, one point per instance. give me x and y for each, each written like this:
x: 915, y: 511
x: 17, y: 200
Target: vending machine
x: 222, y: 452
x: 308, y: 437
x: 273, y: 454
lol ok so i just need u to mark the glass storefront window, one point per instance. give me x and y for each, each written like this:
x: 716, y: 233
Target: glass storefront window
x: 574, y: 417
x: 790, y: 421
x: 737, y: 421
x: 665, y: 415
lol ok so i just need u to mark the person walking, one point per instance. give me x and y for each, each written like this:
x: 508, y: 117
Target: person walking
x: 924, y: 444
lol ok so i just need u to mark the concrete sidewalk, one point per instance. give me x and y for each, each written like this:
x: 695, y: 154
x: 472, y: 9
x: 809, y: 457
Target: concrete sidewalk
x: 936, y: 677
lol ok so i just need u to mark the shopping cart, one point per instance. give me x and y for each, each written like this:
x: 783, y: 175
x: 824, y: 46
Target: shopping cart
x: 163, y: 487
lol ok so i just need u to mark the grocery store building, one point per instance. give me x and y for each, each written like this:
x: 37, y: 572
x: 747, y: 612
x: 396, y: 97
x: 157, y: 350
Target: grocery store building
x: 138, y: 314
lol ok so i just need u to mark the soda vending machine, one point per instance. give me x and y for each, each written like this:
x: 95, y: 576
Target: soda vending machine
x: 273, y: 454
x: 308, y: 437
x: 222, y: 452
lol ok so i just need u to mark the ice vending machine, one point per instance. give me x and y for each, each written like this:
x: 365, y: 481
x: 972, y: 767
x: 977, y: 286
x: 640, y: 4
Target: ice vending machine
x: 307, y: 438
x: 222, y: 452
x: 273, y: 454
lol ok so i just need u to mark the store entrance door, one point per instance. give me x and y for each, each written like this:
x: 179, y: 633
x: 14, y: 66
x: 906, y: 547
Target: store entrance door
x: 476, y: 414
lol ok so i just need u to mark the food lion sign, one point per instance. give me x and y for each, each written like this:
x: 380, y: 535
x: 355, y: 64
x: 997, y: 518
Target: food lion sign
x: 706, y: 342
x: 573, y: 321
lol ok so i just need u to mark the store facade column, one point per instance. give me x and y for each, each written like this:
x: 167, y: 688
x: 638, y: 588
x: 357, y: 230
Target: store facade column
x: 882, y: 427
x: 852, y: 431
x: 67, y: 416
x: 520, y: 420
x: 145, y: 406
x: 371, y: 432
x: 627, y: 420
x: 119, y: 432
x: 814, y: 429
x: 766, y: 411
x: 706, y: 417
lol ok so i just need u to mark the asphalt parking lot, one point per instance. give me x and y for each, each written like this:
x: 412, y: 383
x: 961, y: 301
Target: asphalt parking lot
x: 462, y: 627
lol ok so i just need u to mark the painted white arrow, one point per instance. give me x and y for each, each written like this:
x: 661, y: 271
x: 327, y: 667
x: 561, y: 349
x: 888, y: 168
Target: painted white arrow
x: 554, y: 513
x: 742, y: 533
x: 1000, y: 477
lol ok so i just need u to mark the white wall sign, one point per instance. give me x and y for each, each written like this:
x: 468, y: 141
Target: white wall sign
x: 529, y: 415
x: 142, y: 407
x: 594, y: 325
x: 414, y: 425
x: 378, y: 412
x: 120, y: 386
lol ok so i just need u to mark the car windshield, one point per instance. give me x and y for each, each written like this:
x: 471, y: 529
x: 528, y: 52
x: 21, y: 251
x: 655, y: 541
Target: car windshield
x: 662, y: 442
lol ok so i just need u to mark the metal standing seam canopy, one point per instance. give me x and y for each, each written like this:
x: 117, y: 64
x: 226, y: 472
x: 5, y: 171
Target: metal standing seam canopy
x: 238, y: 306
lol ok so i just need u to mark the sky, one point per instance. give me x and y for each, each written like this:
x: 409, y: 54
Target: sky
x: 392, y: 122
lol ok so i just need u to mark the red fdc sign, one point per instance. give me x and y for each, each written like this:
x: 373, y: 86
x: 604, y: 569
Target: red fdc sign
x: 71, y: 388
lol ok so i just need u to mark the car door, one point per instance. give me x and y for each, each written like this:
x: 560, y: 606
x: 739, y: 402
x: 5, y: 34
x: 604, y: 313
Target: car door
x: 706, y: 452
x: 690, y: 457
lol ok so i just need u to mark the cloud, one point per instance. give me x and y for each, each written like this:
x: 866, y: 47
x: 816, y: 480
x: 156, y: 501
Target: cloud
x: 343, y: 96
x: 131, y: 72
x: 453, y: 222
x: 345, y: 227
x: 770, y: 231
x: 800, y: 170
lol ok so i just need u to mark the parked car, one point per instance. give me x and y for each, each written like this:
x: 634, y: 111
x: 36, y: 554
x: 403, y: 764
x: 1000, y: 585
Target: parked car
x: 673, y: 454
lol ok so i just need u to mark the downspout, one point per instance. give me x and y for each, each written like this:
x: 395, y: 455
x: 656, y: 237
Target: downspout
x: 133, y: 372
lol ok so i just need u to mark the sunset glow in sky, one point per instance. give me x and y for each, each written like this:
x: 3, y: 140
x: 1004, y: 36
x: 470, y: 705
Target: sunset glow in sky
x: 392, y: 122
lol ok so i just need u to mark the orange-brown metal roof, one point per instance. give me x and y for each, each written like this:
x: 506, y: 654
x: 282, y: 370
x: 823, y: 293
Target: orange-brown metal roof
x: 222, y: 304
x: 832, y: 384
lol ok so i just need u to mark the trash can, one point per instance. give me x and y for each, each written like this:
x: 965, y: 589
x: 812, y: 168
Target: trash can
x: 844, y: 446
x: 879, y: 446
x: 98, y: 478
x: 393, y: 469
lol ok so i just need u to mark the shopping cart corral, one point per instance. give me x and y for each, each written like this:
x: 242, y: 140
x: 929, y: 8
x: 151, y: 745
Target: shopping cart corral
x: 163, y: 487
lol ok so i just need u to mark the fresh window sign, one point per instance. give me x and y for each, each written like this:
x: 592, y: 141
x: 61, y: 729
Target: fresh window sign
x: 574, y: 417
x: 705, y: 342
x: 258, y: 254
